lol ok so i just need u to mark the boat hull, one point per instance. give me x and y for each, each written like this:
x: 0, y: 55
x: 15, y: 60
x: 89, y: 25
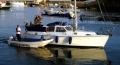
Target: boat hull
x: 5, y: 8
x: 56, y: 14
x: 36, y: 44
x: 85, y: 41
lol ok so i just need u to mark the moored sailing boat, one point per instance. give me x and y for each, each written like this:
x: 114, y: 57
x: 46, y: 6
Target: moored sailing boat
x: 66, y: 35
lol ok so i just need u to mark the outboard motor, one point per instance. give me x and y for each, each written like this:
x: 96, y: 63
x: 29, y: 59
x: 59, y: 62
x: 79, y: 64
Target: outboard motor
x: 11, y: 38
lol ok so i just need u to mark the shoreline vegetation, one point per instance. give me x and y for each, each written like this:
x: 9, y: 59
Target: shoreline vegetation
x: 110, y: 6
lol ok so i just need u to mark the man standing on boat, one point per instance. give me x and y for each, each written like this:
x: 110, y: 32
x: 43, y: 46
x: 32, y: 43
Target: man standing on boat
x: 18, y: 32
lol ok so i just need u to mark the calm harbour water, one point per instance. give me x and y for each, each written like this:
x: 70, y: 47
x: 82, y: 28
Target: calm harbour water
x: 51, y: 55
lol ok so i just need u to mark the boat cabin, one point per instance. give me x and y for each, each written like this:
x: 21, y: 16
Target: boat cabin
x: 51, y: 27
x: 56, y: 28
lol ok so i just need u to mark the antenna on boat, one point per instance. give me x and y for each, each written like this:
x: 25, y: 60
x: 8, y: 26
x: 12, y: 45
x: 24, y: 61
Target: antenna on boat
x: 75, y: 19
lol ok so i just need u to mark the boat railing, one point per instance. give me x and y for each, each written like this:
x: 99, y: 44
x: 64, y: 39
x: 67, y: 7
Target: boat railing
x: 106, y: 31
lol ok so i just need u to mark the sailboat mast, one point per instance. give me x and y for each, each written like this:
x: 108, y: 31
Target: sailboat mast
x: 75, y: 20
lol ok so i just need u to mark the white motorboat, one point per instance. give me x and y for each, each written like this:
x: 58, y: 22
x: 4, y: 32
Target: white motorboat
x: 50, y: 11
x: 66, y: 35
x: 59, y: 13
x: 54, y: 5
x: 35, y: 44
x: 17, y: 4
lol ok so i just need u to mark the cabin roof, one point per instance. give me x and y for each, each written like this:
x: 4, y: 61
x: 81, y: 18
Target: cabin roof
x: 58, y: 23
x: 54, y: 26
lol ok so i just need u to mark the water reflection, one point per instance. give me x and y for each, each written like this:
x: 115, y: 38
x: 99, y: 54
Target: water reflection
x: 68, y: 56
x: 36, y: 52
x: 78, y: 56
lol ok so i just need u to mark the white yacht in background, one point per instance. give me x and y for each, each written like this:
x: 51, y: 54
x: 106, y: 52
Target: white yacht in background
x: 17, y: 4
x: 58, y: 13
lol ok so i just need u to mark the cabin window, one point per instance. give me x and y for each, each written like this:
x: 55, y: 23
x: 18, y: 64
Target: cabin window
x: 60, y: 29
x: 68, y: 28
x: 50, y: 29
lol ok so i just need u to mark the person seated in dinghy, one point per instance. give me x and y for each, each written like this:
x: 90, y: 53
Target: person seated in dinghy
x: 36, y: 16
x: 38, y: 20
